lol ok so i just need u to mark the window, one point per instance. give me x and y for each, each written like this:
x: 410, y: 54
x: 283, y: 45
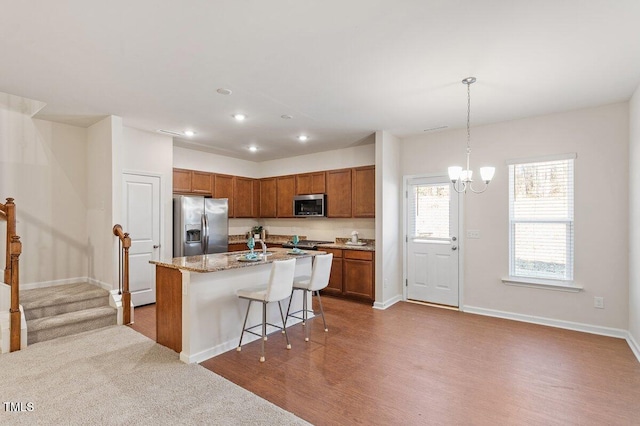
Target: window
x: 541, y: 219
x: 429, y: 205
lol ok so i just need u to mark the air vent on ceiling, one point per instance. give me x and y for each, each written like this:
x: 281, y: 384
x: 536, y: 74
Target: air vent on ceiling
x: 433, y: 129
x: 169, y: 132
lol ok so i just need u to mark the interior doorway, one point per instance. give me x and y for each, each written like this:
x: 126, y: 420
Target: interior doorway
x: 141, y: 219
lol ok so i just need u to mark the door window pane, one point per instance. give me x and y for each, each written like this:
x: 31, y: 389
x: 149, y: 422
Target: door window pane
x: 430, y: 207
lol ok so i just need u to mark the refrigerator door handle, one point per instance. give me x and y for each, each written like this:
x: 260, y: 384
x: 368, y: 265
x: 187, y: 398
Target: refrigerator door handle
x: 206, y: 235
x: 203, y: 226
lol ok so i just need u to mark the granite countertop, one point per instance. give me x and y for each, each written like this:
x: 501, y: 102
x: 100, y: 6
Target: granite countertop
x: 223, y: 261
x: 271, y: 239
x: 342, y: 244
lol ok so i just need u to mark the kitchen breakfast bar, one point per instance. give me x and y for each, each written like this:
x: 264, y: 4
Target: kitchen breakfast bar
x: 198, y: 313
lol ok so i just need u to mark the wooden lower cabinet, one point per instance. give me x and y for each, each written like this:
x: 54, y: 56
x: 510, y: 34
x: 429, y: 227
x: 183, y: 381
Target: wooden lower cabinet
x: 352, y: 274
x: 238, y: 247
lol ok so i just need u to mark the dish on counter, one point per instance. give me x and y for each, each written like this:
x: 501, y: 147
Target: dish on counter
x: 244, y: 258
x: 359, y: 243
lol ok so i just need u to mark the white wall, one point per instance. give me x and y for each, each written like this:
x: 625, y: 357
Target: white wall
x: 634, y: 219
x: 600, y: 138
x: 42, y: 166
x: 100, y: 207
x: 388, y: 220
x: 184, y: 158
x: 152, y: 153
x: 363, y: 155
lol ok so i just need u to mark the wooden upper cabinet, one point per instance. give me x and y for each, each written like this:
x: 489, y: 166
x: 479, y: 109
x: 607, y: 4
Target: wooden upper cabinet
x: 286, y: 190
x: 339, y: 193
x: 223, y: 187
x: 255, y: 205
x: 181, y: 180
x: 201, y: 182
x: 268, y: 197
x: 364, y: 192
x: 311, y: 183
x: 243, y: 197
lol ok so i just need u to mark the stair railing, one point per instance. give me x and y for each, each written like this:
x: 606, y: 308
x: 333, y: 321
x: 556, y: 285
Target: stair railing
x: 12, y: 272
x: 123, y: 273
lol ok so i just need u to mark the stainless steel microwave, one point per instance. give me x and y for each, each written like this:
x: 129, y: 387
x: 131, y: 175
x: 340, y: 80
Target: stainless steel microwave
x: 310, y: 205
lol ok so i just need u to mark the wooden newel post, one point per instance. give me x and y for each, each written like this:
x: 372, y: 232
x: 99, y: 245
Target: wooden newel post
x: 10, y: 212
x: 126, y: 295
x: 14, y: 311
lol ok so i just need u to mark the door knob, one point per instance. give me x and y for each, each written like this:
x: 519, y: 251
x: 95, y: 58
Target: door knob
x: 156, y: 246
x: 454, y: 248
x: 453, y: 238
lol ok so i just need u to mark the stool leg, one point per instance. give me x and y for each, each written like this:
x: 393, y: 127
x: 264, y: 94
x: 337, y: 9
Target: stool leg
x: 264, y: 329
x: 321, y: 310
x: 244, y: 325
x: 284, y: 328
x: 286, y: 318
x: 304, y: 307
x: 305, y: 314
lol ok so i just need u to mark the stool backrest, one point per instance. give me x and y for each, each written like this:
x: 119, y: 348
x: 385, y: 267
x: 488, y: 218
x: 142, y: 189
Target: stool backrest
x: 281, y: 280
x: 321, y: 271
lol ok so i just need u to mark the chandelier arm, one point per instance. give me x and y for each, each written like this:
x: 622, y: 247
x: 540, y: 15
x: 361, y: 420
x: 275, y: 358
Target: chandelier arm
x: 486, y: 185
x: 459, y: 186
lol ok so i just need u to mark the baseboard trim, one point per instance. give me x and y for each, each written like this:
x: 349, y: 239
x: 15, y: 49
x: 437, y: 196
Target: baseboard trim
x: 635, y: 348
x: 568, y: 325
x: 52, y: 283
x: 388, y: 303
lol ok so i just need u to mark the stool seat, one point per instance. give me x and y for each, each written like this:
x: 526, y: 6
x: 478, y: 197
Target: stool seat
x: 254, y: 293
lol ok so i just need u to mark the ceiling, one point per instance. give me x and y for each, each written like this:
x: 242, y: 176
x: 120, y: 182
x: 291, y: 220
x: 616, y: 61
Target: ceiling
x: 341, y: 69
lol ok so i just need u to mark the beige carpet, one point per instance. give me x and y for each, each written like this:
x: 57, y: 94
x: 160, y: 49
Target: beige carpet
x: 115, y: 376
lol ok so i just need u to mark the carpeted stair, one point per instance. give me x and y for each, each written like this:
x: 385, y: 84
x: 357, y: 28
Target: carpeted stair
x: 62, y: 310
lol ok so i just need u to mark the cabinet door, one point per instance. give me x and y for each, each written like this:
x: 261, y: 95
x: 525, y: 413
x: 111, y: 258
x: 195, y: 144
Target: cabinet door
x: 339, y: 193
x: 201, y: 182
x: 335, y: 279
x: 243, y: 197
x: 364, y: 192
x: 255, y: 205
x: 303, y: 184
x: 268, y: 197
x: 223, y: 188
x: 181, y: 180
x: 358, y: 278
x: 286, y: 190
x: 310, y: 183
x: 318, y: 183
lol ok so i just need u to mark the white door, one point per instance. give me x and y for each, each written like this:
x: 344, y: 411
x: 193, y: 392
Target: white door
x: 141, y: 204
x: 432, y: 241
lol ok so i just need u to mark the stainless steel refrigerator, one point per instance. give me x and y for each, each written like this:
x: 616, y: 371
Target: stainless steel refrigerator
x: 200, y: 225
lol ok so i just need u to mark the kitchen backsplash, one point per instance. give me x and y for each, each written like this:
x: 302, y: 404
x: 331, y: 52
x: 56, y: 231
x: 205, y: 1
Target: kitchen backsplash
x: 314, y: 228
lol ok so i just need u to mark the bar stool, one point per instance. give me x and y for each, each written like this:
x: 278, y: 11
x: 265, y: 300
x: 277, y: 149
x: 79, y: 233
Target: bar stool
x: 319, y: 279
x: 279, y: 288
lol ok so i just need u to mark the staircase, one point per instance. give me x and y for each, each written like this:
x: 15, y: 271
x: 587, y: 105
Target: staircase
x: 58, y: 311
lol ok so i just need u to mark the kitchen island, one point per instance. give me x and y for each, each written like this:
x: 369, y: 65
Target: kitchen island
x: 198, y: 313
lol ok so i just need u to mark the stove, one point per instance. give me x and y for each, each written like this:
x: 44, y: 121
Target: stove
x: 306, y: 244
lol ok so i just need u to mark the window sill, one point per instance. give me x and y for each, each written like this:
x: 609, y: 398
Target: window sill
x: 569, y: 286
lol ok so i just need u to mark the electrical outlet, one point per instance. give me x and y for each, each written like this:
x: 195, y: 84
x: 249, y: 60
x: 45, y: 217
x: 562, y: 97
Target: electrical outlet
x: 473, y: 234
x: 598, y: 302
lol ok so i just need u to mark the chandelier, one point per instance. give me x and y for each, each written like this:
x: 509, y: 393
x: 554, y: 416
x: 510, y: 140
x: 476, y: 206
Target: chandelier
x: 462, y: 179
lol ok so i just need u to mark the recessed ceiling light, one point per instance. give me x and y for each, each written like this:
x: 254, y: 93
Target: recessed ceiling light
x: 253, y: 148
x: 224, y: 91
x: 189, y: 133
x: 286, y: 116
x: 303, y: 138
x: 239, y: 117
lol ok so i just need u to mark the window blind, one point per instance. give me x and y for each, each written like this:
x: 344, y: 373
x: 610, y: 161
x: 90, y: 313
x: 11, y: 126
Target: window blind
x: 541, y: 227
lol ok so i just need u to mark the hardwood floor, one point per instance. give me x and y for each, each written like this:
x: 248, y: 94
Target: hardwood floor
x: 414, y: 364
